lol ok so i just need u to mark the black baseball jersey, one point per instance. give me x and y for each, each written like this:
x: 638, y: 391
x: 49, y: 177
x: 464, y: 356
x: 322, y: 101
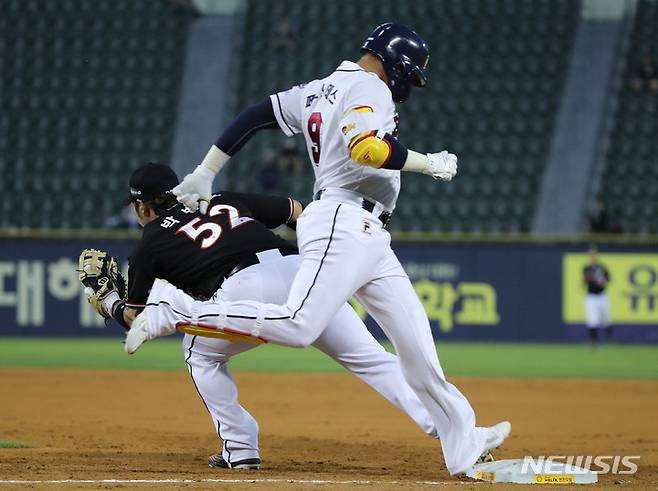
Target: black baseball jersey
x: 596, y: 278
x: 196, y: 252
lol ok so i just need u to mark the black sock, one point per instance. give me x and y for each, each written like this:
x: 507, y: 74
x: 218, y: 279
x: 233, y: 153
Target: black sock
x: 594, y: 335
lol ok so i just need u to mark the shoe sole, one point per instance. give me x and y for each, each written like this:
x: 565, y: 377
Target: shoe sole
x: 247, y: 464
x: 249, y: 467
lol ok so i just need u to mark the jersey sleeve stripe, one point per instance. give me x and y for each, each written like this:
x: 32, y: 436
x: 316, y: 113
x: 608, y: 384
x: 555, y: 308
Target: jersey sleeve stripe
x: 363, y: 109
x: 281, y: 117
x: 135, y: 305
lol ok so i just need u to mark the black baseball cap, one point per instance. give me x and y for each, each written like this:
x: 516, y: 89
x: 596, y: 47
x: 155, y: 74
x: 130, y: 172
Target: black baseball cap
x: 151, y: 180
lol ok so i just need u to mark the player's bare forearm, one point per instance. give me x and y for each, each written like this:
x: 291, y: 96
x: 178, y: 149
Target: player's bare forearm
x: 129, y: 315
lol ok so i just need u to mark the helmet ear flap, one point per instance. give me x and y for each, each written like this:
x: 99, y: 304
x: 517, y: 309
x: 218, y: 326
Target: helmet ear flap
x: 410, y: 72
x: 399, y: 85
x: 401, y: 67
x: 393, y: 72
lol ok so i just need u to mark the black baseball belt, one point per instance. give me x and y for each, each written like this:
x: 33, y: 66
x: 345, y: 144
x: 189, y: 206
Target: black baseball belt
x: 366, y: 204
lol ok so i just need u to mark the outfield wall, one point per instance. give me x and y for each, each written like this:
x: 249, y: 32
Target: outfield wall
x: 472, y: 290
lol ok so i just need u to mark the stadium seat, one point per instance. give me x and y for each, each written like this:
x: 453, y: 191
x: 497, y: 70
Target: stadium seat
x: 88, y: 85
x: 630, y: 174
x: 94, y: 85
x: 495, y: 78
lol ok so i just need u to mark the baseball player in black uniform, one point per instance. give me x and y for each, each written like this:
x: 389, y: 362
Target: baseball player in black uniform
x: 231, y: 253
x: 169, y: 248
x: 597, y: 305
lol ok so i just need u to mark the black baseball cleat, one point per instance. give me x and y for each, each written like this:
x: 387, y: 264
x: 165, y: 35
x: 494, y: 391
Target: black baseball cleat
x: 485, y: 457
x: 216, y: 460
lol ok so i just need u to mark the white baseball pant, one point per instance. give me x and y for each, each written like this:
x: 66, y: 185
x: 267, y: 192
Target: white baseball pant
x: 345, y: 251
x: 345, y: 339
x: 597, y: 310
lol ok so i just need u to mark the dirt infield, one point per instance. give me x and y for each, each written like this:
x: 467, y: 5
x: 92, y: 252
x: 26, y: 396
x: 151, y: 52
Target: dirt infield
x: 94, y: 425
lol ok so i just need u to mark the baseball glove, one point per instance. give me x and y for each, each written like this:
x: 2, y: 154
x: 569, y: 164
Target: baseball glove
x: 100, y: 275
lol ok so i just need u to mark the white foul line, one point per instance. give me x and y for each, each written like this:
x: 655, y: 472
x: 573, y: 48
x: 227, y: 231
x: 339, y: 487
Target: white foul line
x: 228, y: 481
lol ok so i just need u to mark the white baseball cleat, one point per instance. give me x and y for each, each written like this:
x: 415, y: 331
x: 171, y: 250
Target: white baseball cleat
x: 138, y: 334
x: 496, y: 435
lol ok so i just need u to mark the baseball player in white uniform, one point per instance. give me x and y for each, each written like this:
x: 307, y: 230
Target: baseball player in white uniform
x: 349, y: 123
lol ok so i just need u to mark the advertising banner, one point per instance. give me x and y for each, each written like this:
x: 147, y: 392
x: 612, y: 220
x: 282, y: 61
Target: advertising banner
x: 40, y: 294
x: 471, y: 291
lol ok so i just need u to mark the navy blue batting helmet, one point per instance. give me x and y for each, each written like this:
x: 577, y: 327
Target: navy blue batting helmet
x: 404, y: 55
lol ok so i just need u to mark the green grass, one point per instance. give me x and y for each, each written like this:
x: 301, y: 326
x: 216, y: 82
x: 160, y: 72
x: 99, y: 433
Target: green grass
x: 15, y: 444
x: 471, y: 359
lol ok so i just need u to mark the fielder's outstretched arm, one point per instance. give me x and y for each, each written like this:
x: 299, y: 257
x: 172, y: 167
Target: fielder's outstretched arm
x: 271, y: 211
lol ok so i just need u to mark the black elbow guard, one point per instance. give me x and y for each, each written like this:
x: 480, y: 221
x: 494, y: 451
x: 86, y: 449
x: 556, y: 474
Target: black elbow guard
x: 398, y: 155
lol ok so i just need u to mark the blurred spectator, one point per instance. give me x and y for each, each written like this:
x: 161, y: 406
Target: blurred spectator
x: 289, y: 158
x: 126, y: 218
x: 601, y: 220
x: 283, y: 35
x: 269, y: 175
x: 647, y: 74
x: 275, y: 165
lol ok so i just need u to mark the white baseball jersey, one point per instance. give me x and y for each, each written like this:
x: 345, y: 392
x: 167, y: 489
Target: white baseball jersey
x: 317, y: 108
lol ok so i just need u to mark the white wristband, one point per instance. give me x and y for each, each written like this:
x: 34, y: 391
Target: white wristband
x: 215, y: 160
x: 416, y: 162
x: 109, y: 301
x: 204, y: 172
